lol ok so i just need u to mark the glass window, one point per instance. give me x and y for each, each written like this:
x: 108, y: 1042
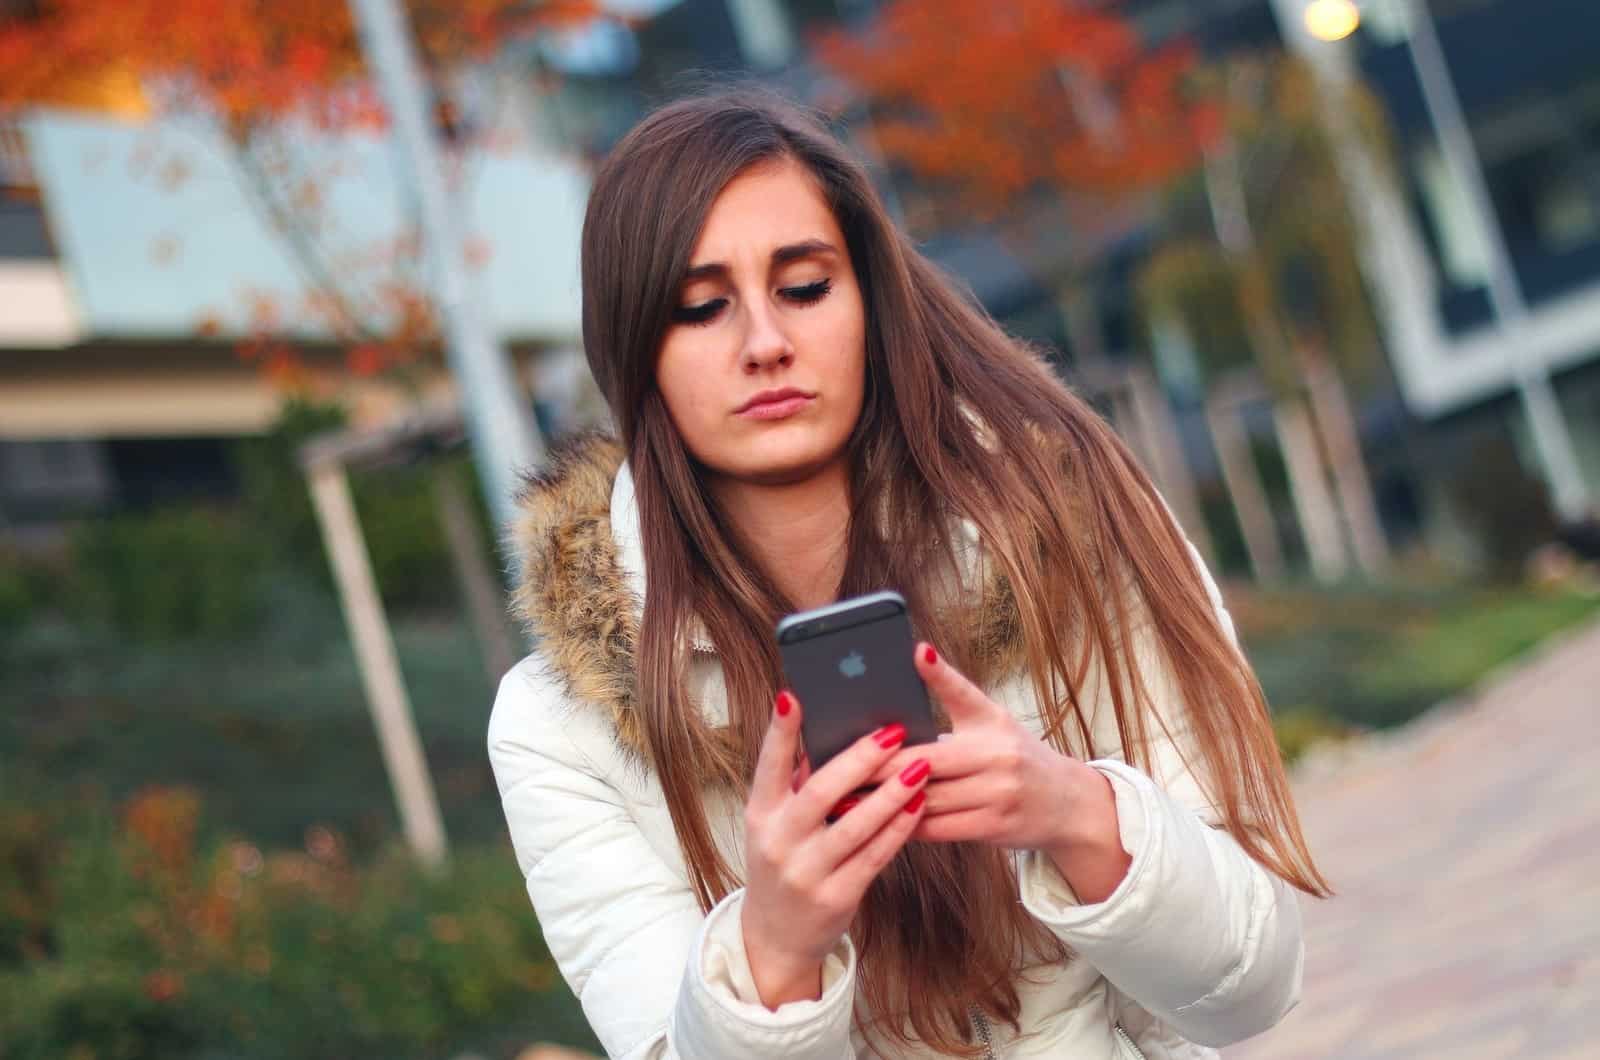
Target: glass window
x: 1463, y: 244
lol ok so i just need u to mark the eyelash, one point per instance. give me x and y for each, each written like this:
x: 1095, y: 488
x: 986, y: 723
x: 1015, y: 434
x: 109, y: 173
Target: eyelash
x: 696, y: 315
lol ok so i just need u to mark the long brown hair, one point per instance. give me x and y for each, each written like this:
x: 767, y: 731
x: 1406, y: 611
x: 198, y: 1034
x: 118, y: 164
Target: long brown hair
x: 960, y: 422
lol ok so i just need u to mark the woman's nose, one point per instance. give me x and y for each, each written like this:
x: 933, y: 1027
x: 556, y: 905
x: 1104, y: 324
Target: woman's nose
x: 766, y: 345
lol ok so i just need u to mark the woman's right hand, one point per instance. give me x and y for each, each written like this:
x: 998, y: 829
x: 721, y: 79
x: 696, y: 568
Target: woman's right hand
x: 804, y: 876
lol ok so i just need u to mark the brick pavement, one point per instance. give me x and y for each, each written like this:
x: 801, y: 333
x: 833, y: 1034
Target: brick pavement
x: 1466, y: 852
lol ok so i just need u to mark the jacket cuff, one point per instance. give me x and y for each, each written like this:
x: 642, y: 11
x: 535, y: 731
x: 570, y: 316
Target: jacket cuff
x: 720, y: 1014
x: 1045, y: 892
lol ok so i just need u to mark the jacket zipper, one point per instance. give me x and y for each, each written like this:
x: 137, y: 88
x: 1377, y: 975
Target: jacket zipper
x: 980, y: 1023
x: 1126, y: 1039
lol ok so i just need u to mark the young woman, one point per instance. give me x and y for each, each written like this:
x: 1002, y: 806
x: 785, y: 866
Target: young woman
x: 1099, y: 857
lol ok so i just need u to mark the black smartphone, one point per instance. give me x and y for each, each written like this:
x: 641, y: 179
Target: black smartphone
x: 850, y: 663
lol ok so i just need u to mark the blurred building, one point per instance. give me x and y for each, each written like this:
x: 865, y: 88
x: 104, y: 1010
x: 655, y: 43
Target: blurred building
x: 1530, y: 88
x: 133, y: 263
x: 105, y: 382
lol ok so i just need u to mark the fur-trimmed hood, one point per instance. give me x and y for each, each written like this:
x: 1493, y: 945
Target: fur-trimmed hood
x: 575, y: 596
x: 582, y: 585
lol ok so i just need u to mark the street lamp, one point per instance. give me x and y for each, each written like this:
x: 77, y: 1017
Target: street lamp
x: 1332, y: 20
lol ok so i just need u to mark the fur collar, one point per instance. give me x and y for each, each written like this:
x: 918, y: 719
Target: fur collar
x: 582, y: 584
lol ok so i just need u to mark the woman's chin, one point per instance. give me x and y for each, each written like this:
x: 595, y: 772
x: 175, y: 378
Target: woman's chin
x: 782, y: 465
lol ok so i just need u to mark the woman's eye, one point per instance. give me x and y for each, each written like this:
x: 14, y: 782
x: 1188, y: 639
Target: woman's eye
x: 811, y: 292
x: 699, y: 314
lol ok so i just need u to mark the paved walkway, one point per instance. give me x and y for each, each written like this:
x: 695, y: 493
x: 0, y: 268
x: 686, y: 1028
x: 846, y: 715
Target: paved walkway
x: 1466, y: 853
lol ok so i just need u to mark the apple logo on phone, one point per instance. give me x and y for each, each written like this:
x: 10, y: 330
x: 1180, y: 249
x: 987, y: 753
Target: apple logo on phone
x: 853, y: 665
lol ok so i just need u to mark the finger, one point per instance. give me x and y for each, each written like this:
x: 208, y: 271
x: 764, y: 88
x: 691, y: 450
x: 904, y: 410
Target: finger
x: 873, y: 812
x: 775, y: 766
x: 961, y: 699
x: 862, y: 867
x: 979, y: 791
x: 842, y: 775
x: 802, y: 773
x: 955, y: 755
x: 960, y: 827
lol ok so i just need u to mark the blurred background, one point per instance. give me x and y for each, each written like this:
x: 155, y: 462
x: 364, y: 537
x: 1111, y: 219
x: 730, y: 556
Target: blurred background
x: 289, y: 289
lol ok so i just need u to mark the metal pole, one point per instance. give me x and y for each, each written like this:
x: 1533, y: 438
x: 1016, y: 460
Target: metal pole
x: 1568, y: 490
x: 403, y: 758
x: 504, y: 437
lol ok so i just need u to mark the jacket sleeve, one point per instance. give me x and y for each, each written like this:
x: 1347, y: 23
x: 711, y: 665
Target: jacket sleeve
x: 1197, y: 933
x: 656, y: 977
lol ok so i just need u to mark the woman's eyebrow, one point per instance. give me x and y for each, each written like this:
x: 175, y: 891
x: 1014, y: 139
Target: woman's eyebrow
x: 806, y: 248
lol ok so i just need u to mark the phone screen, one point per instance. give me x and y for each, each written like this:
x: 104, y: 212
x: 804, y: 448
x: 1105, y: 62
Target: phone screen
x: 850, y: 665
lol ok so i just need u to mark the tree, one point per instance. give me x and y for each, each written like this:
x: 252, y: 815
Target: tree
x: 999, y: 101
x: 996, y: 105
x: 270, y: 77
x: 1056, y: 105
x: 1273, y: 267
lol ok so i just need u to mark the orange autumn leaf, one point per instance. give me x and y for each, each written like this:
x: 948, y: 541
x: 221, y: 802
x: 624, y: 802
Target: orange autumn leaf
x: 266, y: 70
x: 998, y: 99
x: 365, y: 360
x: 250, y: 60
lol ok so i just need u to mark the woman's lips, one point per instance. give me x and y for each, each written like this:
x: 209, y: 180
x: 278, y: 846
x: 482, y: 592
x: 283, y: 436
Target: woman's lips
x: 780, y: 408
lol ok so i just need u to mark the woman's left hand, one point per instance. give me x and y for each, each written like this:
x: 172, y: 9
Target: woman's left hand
x: 993, y: 781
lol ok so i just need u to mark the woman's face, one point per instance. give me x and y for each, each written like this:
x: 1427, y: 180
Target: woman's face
x: 764, y: 363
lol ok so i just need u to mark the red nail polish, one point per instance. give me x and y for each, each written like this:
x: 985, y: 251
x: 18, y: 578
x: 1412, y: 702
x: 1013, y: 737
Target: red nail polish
x: 785, y: 703
x: 914, y: 773
x: 846, y: 804
x: 890, y: 736
x: 929, y: 655
x: 917, y: 800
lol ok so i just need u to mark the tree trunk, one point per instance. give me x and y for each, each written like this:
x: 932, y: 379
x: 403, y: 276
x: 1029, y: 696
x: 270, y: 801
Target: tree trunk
x: 1330, y: 402
x: 1308, y: 483
x: 1230, y: 213
x: 1165, y: 457
x: 1080, y: 316
x: 480, y: 590
x: 1240, y: 475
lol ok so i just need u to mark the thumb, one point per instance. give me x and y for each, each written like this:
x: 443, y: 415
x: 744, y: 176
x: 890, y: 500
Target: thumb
x: 962, y: 700
x: 775, y: 766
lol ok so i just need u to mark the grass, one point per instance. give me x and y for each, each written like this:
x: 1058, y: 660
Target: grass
x: 1374, y: 657
x: 273, y: 730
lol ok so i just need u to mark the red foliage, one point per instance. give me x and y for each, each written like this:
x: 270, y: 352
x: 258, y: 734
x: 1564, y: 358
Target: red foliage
x: 248, y: 60
x: 259, y: 66
x: 997, y: 99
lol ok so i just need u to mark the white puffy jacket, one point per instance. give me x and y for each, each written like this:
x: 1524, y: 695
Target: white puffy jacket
x: 1196, y: 948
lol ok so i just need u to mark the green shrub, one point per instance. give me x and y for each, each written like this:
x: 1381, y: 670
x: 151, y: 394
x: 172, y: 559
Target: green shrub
x: 167, y: 946
x: 16, y: 601
x: 27, y: 902
x: 1508, y: 508
x: 167, y: 574
x: 396, y: 506
x: 1301, y: 728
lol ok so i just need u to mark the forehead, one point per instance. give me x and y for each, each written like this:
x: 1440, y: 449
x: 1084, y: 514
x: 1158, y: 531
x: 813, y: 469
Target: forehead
x: 766, y: 206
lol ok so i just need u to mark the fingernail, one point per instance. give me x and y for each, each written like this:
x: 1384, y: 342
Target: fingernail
x: 917, y: 800
x: 930, y: 656
x: 890, y: 735
x: 785, y: 703
x: 915, y: 772
x: 846, y: 804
